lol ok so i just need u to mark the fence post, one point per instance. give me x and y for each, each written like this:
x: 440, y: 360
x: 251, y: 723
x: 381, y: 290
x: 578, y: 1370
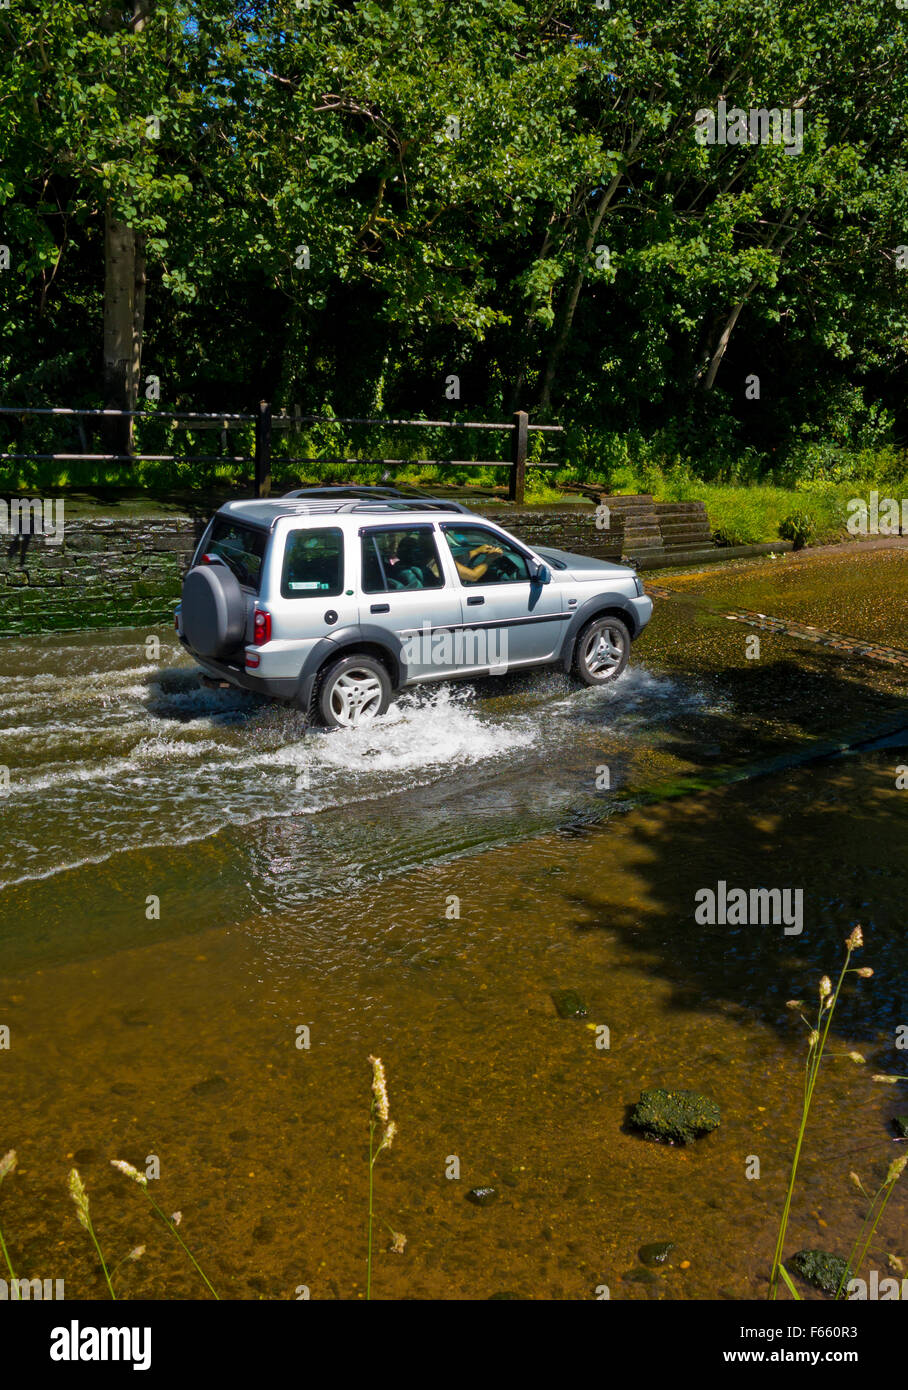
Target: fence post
x: 517, y: 480
x: 263, y: 450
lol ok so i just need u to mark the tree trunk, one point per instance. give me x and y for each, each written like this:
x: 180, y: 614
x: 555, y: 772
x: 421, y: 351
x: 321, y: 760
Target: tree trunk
x: 564, y: 331
x: 120, y: 377
x: 124, y: 294
x: 138, y: 316
x: 719, y: 353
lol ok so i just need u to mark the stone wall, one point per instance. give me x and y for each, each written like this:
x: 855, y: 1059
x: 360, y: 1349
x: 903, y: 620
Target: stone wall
x: 573, y: 528
x: 106, y: 573
x: 121, y: 573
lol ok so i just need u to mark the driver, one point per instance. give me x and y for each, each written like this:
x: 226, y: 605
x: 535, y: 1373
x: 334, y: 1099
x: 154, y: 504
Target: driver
x: 473, y: 572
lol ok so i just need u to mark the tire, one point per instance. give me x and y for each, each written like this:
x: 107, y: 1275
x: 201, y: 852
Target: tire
x: 353, y: 692
x: 602, y: 651
x: 213, y: 611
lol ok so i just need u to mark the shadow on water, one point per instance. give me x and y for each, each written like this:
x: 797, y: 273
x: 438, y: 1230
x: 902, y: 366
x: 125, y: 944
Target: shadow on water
x: 840, y: 843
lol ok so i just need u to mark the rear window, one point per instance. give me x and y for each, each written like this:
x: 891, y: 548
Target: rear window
x: 242, y: 549
x: 314, y: 564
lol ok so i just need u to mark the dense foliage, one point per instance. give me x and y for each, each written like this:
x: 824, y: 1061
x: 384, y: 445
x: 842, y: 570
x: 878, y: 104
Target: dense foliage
x: 343, y: 205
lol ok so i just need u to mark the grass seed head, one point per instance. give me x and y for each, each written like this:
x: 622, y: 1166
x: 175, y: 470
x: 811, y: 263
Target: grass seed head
x: 80, y: 1197
x: 130, y: 1172
x: 897, y: 1168
x: 380, y: 1089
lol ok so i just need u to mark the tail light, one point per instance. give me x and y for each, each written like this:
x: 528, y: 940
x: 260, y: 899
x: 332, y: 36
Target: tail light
x: 252, y: 659
x: 261, y: 627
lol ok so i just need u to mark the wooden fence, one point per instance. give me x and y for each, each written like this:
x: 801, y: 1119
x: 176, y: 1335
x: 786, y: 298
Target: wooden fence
x: 265, y: 421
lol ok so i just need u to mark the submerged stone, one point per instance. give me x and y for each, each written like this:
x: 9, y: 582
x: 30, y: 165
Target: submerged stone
x: 482, y: 1196
x: 820, y: 1269
x: 675, y: 1117
x: 568, y: 1004
x: 211, y: 1086
x: 656, y: 1253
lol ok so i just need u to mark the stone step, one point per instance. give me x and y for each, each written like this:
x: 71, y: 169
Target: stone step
x: 693, y: 526
x: 687, y: 533
x: 668, y: 508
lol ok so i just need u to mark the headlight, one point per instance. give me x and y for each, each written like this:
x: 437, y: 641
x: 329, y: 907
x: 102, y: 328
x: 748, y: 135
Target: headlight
x: 638, y: 585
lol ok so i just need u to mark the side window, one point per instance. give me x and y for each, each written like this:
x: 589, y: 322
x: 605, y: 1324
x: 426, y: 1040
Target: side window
x: 313, y: 564
x: 482, y: 557
x: 400, y: 559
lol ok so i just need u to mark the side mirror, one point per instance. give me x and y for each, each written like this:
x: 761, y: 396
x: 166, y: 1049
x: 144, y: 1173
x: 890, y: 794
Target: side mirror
x: 540, y: 574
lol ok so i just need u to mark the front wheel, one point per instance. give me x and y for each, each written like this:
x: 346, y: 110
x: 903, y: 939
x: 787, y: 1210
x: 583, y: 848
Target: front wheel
x: 602, y: 651
x: 354, y: 691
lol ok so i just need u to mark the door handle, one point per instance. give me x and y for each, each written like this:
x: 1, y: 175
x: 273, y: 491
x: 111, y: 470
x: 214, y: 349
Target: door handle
x: 380, y: 608
x: 475, y: 600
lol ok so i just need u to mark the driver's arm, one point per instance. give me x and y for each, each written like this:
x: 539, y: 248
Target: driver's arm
x: 471, y: 572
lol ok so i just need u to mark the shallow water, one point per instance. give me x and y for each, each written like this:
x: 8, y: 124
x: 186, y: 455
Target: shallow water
x: 314, y: 880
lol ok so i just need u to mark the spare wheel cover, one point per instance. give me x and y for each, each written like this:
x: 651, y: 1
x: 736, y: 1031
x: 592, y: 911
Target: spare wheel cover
x: 214, y: 610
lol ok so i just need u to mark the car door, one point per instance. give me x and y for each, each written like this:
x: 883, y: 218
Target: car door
x: 518, y: 619
x: 404, y: 588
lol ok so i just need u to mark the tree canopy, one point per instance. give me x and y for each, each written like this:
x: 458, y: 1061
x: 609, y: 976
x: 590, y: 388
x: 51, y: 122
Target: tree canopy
x: 342, y: 204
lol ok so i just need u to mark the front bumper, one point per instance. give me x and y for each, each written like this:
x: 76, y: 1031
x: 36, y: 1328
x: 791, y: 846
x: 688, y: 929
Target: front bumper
x: 643, y: 611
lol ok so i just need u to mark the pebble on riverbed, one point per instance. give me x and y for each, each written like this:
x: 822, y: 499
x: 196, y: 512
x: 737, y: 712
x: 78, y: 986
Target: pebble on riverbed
x: 674, y: 1117
x: 482, y: 1196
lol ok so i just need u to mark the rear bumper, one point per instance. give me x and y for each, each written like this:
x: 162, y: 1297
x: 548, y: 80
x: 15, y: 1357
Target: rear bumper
x: 276, y: 687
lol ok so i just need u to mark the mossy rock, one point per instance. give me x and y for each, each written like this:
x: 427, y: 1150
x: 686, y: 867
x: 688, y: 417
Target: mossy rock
x: 568, y: 1004
x: 820, y: 1269
x: 675, y: 1117
x: 656, y: 1253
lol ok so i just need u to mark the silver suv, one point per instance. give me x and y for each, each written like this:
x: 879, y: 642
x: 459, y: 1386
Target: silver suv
x: 335, y: 598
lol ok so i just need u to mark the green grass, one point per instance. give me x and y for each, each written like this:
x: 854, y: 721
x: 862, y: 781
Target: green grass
x: 741, y: 512
x: 750, y: 515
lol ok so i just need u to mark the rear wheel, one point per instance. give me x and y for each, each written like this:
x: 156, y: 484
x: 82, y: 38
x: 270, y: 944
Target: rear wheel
x: 353, y: 692
x: 602, y: 651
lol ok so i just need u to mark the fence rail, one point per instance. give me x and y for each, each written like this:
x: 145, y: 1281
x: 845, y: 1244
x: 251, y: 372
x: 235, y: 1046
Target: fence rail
x: 265, y: 420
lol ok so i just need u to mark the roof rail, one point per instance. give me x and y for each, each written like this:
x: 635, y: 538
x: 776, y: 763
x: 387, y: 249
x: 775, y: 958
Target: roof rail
x: 422, y: 504
x: 345, y: 490
x: 353, y: 497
